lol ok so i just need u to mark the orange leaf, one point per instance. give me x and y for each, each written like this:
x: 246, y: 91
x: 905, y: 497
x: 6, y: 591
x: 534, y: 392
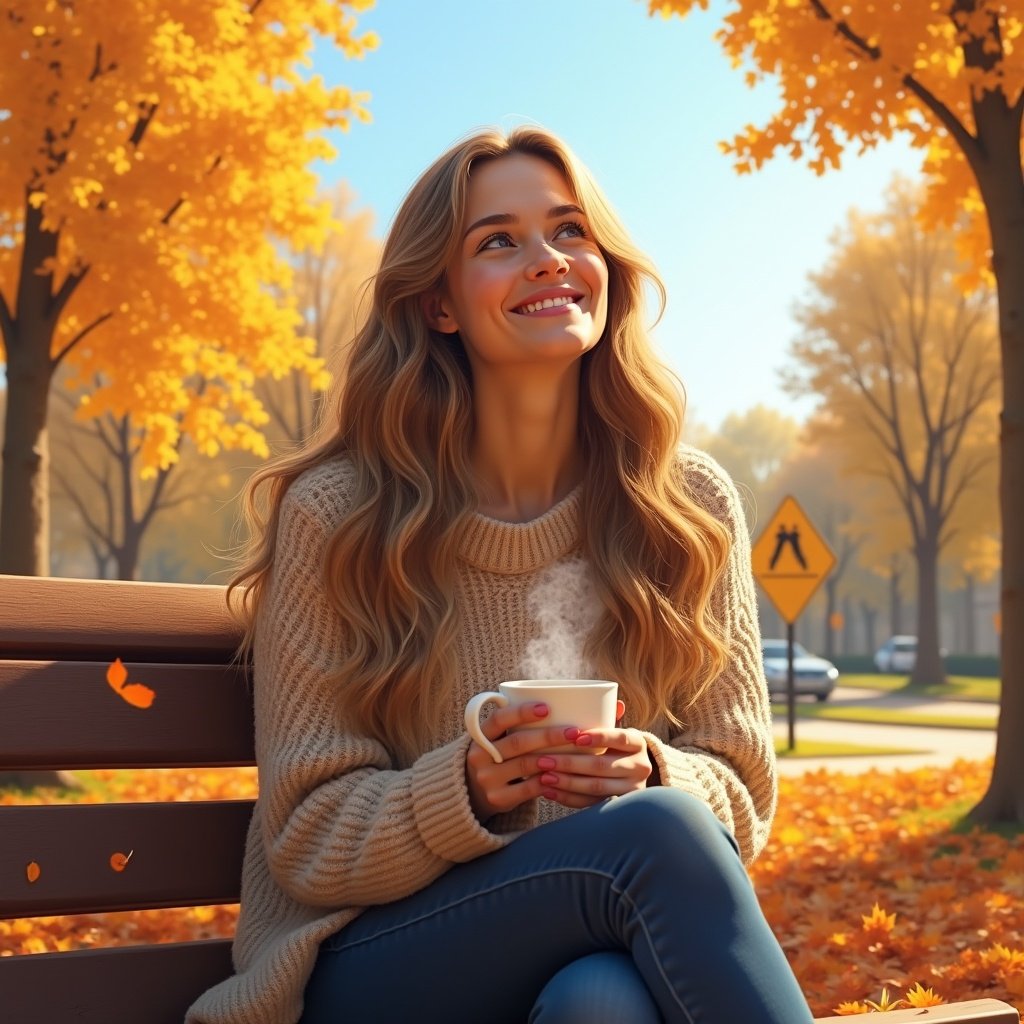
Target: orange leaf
x: 117, y: 675
x: 32, y: 872
x: 119, y: 861
x: 136, y: 694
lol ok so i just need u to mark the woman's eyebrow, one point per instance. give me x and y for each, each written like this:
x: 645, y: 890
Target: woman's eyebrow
x: 511, y: 218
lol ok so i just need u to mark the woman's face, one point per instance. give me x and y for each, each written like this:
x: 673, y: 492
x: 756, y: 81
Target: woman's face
x: 528, y: 283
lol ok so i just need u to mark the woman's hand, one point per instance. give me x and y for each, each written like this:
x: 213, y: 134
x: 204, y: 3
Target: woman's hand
x: 579, y: 780
x: 494, y: 788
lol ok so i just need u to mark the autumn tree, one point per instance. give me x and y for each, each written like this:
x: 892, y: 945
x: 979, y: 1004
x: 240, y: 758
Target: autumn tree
x: 907, y: 367
x: 154, y: 161
x: 329, y: 285
x: 95, y: 469
x: 949, y: 77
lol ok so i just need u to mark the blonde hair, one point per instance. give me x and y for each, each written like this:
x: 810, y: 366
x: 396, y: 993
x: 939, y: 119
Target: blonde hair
x: 403, y: 415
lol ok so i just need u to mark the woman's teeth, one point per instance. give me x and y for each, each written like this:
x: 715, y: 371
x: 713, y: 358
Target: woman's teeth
x: 532, y: 307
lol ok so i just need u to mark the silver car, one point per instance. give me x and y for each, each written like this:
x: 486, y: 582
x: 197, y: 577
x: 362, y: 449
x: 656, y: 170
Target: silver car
x: 897, y: 654
x: 811, y: 675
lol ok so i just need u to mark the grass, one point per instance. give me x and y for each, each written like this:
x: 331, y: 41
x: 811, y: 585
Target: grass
x: 969, y: 688
x: 895, y: 716
x: 824, y: 748
x: 953, y: 816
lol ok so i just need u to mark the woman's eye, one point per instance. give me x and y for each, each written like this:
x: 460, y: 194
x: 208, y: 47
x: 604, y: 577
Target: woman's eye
x: 577, y: 229
x: 488, y: 242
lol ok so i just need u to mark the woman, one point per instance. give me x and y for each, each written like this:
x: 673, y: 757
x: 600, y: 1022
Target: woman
x: 502, y: 415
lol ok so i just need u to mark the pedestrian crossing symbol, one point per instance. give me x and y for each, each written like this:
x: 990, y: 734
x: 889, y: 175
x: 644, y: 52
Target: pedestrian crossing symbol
x: 790, y: 559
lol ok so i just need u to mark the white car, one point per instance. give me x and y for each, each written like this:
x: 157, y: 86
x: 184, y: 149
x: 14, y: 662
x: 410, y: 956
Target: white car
x: 811, y: 674
x: 897, y: 654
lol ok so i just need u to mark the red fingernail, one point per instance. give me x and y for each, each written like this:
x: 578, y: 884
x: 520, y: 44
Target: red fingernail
x: 548, y: 793
x: 572, y: 732
x: 584, y: 741
x: 546, y: 762
x: 540, y: 710
x: 549, y: 779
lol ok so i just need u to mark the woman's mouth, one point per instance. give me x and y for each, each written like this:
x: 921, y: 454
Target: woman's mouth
x: 548, y: 307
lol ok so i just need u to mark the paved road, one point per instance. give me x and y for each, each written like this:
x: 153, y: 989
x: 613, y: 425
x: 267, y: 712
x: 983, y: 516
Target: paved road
x: 938, y: 746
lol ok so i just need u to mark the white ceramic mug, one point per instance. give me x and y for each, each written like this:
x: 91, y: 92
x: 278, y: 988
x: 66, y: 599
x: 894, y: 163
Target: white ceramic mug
x: 584, y: 703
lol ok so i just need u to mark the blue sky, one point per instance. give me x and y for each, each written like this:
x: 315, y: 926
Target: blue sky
x: 643, y: 101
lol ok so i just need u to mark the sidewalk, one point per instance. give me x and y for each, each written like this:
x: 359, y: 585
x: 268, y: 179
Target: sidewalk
x: 852, y: 697
x: 940, y: 746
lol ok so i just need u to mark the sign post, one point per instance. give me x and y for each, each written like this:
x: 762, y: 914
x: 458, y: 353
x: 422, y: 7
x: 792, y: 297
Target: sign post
x: 790, y: 559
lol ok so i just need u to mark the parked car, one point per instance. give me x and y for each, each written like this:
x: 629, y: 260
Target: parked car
x: 811, y: 674
x: 897, y: 654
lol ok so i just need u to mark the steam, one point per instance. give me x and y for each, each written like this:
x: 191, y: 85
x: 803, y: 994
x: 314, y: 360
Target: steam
x: 565, y: 604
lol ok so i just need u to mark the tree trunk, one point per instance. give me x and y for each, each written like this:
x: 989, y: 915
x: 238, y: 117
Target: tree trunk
x: 895, y: 599
x: 830, y: 608
x: 127, y: 552
x: 1003, y: 194
x: 928, y: 667
x: 870, y: 615
x: 25, y: 508
x: 970, y: 628
x: 848, y: 625
x: 28, y: 335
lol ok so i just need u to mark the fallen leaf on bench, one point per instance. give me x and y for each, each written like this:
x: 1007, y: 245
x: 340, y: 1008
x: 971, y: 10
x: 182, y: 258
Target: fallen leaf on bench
x: 136, y: 694
x: 118, y: 861
x: 32, y: 872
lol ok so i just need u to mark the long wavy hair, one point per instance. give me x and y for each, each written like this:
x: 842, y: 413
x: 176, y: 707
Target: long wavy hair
x: 402, y: 413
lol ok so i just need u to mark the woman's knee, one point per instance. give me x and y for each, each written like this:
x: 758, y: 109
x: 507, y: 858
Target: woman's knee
x: 603, y: 988
x: 671, y: 820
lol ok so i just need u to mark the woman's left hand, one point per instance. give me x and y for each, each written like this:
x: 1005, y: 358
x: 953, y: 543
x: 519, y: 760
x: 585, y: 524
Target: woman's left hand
x: 583, y: 779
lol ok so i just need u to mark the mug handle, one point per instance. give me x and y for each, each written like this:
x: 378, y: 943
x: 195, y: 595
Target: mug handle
x: 473, y: 709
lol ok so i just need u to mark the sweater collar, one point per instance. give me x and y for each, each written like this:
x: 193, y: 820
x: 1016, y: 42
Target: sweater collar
x: 512, y: 548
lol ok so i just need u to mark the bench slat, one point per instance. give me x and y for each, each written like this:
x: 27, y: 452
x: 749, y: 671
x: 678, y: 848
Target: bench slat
x: 971, y: 1011
x: 126, y: 985
x: 66, y: 715
x: 185, y: 854
x: 45, y: 616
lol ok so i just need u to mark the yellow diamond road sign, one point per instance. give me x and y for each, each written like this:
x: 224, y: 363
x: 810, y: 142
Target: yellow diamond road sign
x: 791, y: 559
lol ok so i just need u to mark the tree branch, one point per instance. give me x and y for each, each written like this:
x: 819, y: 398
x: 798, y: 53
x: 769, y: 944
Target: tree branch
x: 967, y: 142
x: 72, y: 496
x: 146, y: 115
x: 88, y: 329
x: 66, y: 290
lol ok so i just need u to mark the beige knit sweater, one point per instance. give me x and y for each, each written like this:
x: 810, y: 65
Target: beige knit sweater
x: 339, y: 826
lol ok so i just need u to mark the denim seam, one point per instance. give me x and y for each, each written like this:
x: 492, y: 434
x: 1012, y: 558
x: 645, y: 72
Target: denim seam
x: 650, y: 944
x: 516, y: 881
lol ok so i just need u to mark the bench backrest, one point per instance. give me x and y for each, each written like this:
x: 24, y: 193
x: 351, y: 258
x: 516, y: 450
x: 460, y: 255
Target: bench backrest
x: 58, y: 710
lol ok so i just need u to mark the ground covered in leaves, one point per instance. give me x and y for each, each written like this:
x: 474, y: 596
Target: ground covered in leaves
x: 879, y: 896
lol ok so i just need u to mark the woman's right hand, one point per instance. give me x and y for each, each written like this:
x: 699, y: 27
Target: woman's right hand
x: 493, y: 787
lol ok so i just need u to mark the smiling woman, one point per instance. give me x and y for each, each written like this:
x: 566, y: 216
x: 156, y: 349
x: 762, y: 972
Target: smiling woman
x: 503, y: 421
x: 526, y: 301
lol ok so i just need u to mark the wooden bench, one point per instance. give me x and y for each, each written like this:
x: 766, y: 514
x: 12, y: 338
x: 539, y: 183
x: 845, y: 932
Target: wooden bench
x: 58, y: 711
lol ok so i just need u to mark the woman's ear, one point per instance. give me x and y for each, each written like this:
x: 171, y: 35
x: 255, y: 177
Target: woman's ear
x: 435, y: 309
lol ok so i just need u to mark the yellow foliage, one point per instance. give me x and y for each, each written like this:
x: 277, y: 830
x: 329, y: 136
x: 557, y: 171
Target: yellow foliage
x: 907, y: 368
x: 165, y: 152
x: 855, y: 71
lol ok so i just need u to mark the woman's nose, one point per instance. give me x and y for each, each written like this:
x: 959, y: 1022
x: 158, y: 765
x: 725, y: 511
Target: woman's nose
x: 547, y: 260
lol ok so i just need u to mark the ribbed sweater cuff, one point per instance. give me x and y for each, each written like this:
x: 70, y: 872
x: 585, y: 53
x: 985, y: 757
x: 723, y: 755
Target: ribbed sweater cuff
x: 440, y: 802
x: 676, y: 768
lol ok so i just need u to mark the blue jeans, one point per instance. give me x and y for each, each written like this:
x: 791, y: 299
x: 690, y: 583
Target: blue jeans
x: 637, y: 909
